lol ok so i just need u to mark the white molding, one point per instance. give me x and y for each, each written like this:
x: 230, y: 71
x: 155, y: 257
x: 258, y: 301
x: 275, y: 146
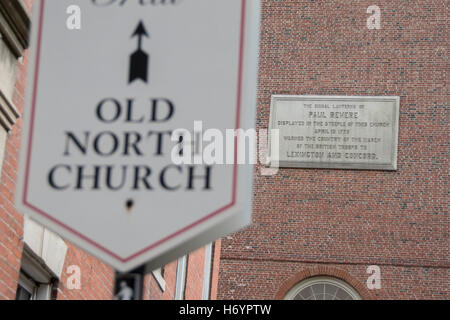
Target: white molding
x: 35, y: 267
x: 8, y: 112
x: 14, y: 25
x: 292, y: 293
x: 180, y: 284
x: 47, y: 246
x: 207, y: 272
x: 54, y: 251
x: 157, y: 274
x: 33, y: 233
x: 35, y: 276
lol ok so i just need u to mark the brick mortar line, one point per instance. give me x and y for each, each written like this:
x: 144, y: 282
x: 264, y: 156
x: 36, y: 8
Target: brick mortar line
x: 338, y: 263
x: 6, y: 286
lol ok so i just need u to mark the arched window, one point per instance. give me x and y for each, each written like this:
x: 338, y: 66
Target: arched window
x: 322, y: 288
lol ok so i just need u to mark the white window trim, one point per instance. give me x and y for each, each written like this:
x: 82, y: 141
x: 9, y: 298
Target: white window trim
x: 8, y: 112
x: 14, y: 25
x: 157, y: 274
x: 319, y: 280
x: 180, y: 285
x: 207, y: 272
x: 35, y: 277
x: 29, y: 285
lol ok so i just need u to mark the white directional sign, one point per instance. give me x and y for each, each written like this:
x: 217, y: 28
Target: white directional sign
x: 105, y: 105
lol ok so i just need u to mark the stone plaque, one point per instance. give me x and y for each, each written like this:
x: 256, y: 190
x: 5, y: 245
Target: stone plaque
x: 337, y: 132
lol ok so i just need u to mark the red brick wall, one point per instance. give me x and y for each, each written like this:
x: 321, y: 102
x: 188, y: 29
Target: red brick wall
x: 97, y: 278
x: 194, y: 278
x: 11, y: 221
x: 152, y: 291
x: 350, y: 219
x: 272, y: 279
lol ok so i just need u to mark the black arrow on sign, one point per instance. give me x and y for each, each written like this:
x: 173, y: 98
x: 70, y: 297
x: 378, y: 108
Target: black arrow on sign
x: 139, y: 60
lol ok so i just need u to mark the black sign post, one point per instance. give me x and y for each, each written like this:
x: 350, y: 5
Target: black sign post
x: 130, y: 285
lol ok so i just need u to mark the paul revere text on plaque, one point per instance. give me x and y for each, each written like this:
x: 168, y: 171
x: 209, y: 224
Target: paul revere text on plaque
x: 339, y: 132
